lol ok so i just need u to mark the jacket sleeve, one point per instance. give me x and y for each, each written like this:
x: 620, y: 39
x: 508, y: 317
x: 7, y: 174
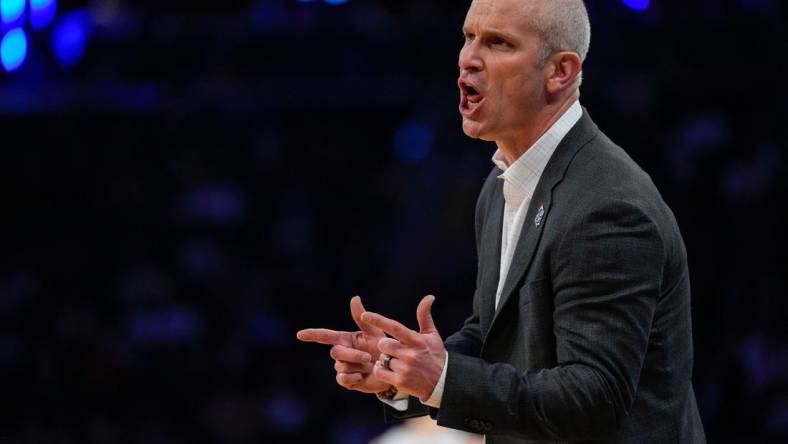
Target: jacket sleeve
x: 606, y: 279
x: 415, y: 409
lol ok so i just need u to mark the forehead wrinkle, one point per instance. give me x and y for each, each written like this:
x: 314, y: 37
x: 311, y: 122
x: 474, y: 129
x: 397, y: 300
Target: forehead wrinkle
x: 501, y: 15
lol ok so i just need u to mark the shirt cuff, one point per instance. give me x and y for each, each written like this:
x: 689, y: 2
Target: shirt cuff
x: 398, y: 402
x: 437, y: 392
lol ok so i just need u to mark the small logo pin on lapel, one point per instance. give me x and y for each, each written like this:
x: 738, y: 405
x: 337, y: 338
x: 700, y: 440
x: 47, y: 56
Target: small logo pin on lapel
x: 539, y: 216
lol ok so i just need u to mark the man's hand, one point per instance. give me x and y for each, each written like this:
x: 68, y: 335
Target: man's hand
x: 418, y: 357
x: 354, y: 352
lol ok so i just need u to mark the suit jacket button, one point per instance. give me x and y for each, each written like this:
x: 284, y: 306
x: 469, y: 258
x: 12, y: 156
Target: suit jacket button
x: 473, y: 424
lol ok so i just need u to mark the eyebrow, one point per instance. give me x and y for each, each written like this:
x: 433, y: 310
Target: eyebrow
x: 491, y: 31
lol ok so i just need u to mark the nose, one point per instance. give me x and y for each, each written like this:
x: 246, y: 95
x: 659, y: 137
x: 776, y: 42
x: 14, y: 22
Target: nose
x: 470, y: 60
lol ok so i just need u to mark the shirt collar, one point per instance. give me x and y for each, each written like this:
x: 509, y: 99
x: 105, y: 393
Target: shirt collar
x: 524, y: 173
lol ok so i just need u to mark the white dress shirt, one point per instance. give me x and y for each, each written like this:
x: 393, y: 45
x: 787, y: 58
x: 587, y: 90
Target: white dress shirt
x: 519, y: 182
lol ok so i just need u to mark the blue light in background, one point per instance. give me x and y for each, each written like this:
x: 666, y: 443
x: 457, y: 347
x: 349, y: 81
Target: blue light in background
x: 266, y: 329
x: 217, y: 203
x: 11, y: 10
x: 70, y: 37
x: 413, y: 142
x: 286, y: 413
x: 13, y: 49
x: 268, y: 16
x: 42, y: 12
x: 335, y: 2
x: 166, y: 326
x: 757, y: 4
x: 637, y: 5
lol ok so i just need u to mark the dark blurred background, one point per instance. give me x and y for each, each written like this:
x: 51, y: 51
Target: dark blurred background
x: 186, y: 183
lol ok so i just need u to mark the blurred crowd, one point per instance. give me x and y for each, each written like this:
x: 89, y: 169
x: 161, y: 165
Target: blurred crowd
x: 210, y: 178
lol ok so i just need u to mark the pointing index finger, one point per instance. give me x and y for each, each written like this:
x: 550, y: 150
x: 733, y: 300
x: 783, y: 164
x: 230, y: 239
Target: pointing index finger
x: 321, y: 336
x: 390, y: 326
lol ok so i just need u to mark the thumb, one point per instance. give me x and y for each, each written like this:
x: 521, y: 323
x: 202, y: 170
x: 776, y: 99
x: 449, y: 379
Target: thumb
x: 424, y: 315
x: 356, y: 310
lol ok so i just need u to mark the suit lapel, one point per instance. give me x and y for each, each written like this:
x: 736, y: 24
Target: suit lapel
x: 491, y: 256
x: 539, y: 210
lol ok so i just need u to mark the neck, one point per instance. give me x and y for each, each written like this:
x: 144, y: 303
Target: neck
x: 514, y: 147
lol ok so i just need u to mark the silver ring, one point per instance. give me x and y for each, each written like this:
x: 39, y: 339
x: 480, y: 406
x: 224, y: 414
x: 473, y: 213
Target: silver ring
x: 387, y: 361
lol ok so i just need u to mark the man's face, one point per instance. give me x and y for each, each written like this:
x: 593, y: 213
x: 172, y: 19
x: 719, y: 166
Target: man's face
x: 501, y: 84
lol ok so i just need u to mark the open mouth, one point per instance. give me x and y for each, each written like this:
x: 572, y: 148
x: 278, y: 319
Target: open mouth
x: 473, y: 95
x: 470, y: 98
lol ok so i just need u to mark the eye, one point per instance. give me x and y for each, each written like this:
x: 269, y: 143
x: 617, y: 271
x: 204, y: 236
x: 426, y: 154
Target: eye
x: 497, y: 41
x: 467, y: 36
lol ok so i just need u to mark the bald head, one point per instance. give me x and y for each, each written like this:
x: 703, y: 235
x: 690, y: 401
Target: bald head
x: 563, y: 25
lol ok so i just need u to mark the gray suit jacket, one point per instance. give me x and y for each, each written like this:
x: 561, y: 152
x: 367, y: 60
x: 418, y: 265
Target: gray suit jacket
x: 592, y: 339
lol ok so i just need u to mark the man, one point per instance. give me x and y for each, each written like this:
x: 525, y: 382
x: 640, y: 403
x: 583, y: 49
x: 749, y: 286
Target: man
x: 581, y: 327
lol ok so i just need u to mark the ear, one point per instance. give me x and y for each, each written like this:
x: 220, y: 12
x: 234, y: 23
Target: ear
x: 562, y: 71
